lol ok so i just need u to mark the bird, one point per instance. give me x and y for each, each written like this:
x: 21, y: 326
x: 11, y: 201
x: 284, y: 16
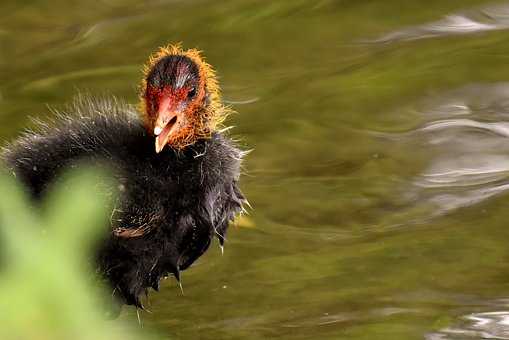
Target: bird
x: 176, y: 168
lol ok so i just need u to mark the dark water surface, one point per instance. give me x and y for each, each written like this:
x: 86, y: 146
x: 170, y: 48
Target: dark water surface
x: 380, y: 168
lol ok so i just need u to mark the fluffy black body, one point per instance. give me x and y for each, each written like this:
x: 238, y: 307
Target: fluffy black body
x: 171, y: 204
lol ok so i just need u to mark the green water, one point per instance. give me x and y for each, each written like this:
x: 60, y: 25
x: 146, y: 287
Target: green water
x: 380, y: 162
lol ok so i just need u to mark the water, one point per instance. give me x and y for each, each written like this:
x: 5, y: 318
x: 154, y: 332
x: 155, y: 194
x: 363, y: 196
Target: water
x: 380, y: 168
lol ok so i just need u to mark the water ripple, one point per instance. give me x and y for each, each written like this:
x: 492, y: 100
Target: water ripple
x: 489, y: 325
x: 487, y: 19
x: 466, y: 137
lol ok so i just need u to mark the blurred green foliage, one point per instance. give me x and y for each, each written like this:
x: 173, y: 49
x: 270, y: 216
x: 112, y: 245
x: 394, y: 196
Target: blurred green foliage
x: 47, y: 289
x: 336, y: 252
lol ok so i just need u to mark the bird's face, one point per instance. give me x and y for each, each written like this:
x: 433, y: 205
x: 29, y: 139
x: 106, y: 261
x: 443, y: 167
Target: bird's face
x: 175, y: 100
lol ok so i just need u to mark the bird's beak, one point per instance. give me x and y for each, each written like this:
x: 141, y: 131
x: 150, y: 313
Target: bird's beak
x: 169, y: 122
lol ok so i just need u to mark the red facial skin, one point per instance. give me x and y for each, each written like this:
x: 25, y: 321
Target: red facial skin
x: 170, y: 116
x: 154, y: 96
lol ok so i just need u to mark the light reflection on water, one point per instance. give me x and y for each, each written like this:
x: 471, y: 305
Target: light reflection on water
x: 473, y: 21
x: 379, y: 170
x: 466, y: 134
x: 484, y: 325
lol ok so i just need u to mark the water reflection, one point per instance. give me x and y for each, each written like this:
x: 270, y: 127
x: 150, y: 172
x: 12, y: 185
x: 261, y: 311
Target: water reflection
x: 466, y: 135
x: 343, y: 246
x: 485, y: 325
x: 486, y: 19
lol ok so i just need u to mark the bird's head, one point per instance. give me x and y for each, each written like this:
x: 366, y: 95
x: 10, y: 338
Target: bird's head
x: 180, y: 99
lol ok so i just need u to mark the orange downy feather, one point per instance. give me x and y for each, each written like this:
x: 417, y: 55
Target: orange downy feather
x: 205, y: 119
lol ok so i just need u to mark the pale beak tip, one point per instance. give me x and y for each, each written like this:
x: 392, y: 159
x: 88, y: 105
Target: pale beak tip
x: 157, y: 130
x: 159, y: 147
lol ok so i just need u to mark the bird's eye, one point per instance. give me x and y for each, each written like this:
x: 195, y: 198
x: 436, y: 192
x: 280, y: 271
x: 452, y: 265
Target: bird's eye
x: 154, y: 81
x: 191, y: 93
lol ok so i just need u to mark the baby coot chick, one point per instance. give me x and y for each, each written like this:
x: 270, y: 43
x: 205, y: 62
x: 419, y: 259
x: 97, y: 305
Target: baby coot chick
x: 178, y: 175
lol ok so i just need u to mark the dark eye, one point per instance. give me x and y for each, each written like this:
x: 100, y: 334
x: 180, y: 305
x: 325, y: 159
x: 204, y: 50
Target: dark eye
x: 191, y: 93
x: 154, y: 80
